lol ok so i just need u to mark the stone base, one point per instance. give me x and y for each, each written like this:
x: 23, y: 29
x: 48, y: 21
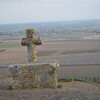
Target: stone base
x: 34, y: 75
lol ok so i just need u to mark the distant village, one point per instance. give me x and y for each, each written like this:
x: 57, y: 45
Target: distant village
x: 70, y: 30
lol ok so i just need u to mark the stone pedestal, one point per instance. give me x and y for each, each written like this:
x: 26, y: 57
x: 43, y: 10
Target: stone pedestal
x: 34, y: 75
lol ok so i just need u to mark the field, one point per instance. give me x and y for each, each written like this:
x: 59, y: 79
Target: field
x: 9, y: 46
x: 79, y: 58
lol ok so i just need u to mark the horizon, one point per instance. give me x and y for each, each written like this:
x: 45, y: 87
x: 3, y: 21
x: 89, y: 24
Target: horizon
x: 51, y: 21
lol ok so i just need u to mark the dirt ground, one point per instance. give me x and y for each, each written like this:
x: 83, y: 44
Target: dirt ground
x: 71, y: 91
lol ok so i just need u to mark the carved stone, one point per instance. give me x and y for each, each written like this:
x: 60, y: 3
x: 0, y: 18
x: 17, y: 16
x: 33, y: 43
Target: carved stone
x: 34, y: 75
x: 31, y: 41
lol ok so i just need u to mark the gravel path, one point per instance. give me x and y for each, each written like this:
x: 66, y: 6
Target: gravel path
x: 71, y: 91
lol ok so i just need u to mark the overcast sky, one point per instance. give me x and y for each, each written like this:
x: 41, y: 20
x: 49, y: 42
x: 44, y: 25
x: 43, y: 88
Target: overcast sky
x: 21, y: 11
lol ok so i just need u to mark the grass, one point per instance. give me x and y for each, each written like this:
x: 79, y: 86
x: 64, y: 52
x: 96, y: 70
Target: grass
x: 98, y: 51
x: 62, y: 82
x: 2, y: 46
x: 69, y: 79
x: 88, y: 79
x: 3, y: 77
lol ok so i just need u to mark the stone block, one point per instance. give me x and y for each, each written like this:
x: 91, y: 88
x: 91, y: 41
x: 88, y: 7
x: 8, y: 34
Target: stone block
x: 34, y: 75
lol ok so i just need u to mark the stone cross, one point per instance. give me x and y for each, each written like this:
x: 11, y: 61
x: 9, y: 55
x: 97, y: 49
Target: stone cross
x: 31, y: 41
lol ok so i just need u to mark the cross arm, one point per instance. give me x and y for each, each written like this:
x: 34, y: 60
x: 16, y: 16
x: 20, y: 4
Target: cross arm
x: 27, y: 41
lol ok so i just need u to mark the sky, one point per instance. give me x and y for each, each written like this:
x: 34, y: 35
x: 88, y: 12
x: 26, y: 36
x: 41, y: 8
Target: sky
x: 23, y: 11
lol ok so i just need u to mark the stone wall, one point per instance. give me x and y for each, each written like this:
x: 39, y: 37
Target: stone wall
x: 34, y: 75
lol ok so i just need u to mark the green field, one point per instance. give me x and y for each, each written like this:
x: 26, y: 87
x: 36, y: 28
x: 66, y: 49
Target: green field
x: 3, y: 46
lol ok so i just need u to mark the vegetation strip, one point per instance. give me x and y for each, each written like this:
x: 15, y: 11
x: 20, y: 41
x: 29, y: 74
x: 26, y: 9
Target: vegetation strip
x: 9, y: 45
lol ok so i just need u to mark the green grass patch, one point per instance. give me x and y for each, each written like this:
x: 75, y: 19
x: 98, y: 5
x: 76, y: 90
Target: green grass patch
x: 2, y: 46
x: 98, y: 51
x: 67, y: 79
x: 2, y: 78
x: 62, y: 82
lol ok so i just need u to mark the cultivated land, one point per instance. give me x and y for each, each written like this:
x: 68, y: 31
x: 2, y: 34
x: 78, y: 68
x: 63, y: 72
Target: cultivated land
x: 76, y: 57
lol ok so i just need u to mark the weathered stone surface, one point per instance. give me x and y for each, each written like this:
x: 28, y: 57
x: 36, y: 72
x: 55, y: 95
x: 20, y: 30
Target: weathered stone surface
x: 27, y: 41
x: 31, y: 41
x: 34, y: 75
